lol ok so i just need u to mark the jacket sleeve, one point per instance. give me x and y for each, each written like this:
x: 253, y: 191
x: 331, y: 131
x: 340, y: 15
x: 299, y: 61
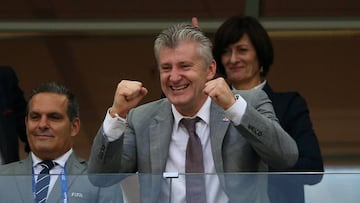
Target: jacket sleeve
x: 260, y: 126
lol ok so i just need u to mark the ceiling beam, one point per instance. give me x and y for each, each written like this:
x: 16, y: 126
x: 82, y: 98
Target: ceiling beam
x: 154, y: 26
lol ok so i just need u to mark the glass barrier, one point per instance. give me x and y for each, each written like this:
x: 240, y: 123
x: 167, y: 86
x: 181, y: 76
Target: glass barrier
x: 328, y: 187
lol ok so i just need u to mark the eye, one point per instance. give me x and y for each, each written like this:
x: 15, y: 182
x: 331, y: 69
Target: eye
x: 185, y: 66
x: 226, y: 52
x: 55, y: 116
x: 242, y: 49
x: 165, y: 68
x: 34, y: 116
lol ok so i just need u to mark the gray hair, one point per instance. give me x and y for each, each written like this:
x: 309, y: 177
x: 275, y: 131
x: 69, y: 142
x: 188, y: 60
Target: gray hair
x: 175, y: 34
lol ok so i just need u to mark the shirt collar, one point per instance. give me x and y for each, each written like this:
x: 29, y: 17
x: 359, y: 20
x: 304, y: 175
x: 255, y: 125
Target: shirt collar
x: 203, y: 113
x: 60, y: 160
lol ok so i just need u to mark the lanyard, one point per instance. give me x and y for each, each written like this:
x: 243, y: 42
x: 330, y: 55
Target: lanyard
x: 63, y: 185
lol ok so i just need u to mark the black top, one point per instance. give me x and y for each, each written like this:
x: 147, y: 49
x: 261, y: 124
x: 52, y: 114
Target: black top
x: 12, y: 115
x: 293, y: 114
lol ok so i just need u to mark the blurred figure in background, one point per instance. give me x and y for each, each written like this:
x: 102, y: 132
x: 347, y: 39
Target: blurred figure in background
x: 12, y: 114
x: 244, y: 53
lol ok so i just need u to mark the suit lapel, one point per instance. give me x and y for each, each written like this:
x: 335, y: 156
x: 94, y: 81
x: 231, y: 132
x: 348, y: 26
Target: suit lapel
x: 74, y: 167
x: 218, y: 126
x: 160, y: 131
x: 160, y: 136
x: 24, y: 181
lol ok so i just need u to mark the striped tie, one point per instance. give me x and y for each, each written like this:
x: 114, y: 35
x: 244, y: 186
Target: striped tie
x: 43, y: 180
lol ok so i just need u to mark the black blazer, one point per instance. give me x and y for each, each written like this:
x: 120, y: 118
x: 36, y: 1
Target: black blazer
x: 293, y: 114
x: 12, y: 115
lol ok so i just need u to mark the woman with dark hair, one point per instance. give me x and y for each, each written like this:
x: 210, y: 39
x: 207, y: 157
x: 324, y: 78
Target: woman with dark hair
x: 244, y: 53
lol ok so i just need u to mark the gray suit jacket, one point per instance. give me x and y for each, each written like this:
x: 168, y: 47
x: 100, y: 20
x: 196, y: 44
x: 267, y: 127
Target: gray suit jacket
x: 16, y: 184
x: 258, y: 142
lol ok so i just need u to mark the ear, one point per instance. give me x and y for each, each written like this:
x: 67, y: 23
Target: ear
x: 75, y: 127
x: 211, y: 70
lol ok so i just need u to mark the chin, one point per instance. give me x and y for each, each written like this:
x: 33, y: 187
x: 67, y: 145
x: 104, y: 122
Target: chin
x: 178, y: 100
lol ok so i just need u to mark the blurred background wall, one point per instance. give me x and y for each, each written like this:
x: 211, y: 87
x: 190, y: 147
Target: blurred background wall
x: 91, y: 45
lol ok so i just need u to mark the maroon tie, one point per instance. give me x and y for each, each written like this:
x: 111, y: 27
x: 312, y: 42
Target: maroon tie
x: 195, y: 183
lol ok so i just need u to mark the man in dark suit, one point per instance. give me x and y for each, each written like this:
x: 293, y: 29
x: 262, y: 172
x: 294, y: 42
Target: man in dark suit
x: 12, y: 114
x: 236, y: 135
x: 52, y: 122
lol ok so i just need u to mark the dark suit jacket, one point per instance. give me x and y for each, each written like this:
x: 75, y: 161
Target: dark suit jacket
x: 12, y: 115
x: 16, y: 184
x: 257, y: 142
x: 293, y: 114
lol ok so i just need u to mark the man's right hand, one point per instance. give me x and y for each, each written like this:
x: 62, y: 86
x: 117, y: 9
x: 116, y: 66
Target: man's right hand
x: 128, y: 94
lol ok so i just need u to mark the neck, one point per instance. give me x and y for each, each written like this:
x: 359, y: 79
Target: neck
x: 48, y: 155
x: 191, y: 109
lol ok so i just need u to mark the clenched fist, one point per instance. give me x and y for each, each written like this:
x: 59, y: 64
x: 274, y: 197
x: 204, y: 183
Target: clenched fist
x: 128, y: 94
x: 220, y: 92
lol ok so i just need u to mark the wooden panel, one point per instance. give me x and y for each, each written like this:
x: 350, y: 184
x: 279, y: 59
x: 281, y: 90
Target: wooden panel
x: 310, y: 8
x: 164, y: 9
x: 90, y: 66
x: 114, y: 9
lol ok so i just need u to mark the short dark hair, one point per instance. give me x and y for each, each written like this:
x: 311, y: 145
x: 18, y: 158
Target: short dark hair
x: 232, y: 30
x: 52, y: 87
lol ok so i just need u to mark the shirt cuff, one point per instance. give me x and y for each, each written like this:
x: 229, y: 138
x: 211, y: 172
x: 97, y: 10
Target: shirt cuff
x: 113, y: 127
x: 236, y: 112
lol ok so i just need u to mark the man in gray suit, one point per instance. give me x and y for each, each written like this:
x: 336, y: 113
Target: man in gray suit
x: 237, y: 134
x: 52, y: 122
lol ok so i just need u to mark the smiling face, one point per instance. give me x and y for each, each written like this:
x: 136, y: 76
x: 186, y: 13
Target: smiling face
x: 183, y: 75
x: 48, y: 127
x: 241, y: 64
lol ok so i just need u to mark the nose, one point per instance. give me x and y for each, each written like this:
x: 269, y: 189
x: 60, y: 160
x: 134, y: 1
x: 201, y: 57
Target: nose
x: 175, y: 75
x: 234, y: 57
x: 43, y: 123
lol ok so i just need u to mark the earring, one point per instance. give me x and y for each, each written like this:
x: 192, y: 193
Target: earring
x: 261, y: 69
